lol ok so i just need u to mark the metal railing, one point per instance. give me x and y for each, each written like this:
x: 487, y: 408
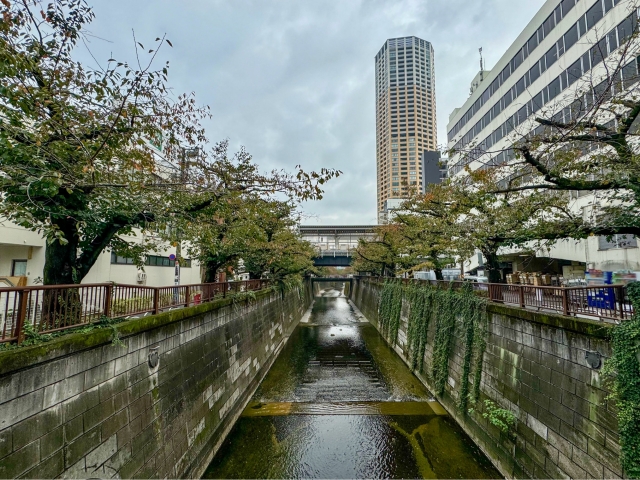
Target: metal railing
x: 605, y: 302
x: 51, y: 308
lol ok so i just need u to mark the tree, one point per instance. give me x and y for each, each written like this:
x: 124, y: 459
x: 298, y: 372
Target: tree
x: 381, y: 255
x: 78, y: 156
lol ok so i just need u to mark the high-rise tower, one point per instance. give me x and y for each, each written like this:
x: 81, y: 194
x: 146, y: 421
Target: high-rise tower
x: 405, y: 116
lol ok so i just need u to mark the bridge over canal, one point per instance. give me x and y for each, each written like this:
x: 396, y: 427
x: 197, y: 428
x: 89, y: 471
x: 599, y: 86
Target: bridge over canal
x: 335, y: 244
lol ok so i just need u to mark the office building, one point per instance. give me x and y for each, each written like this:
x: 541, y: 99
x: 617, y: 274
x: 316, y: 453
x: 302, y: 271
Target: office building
x: 545, y: 73
x: 405, y: 116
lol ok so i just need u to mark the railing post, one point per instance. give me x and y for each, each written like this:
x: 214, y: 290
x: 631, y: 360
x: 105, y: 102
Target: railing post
x: 225, y: 285
x: 108, y: 293
x: 565, y: 302
x: 156, y: 300
x: 23, y: 296
x: 187, y: 294
x: 620, y: 299
x: 521, y: 292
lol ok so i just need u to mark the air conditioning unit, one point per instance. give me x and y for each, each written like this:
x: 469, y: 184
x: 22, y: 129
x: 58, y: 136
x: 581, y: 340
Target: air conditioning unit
x: 142, y: 277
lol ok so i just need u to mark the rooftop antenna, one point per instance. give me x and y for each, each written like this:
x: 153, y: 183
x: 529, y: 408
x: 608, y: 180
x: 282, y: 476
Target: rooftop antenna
x: 481, y: 65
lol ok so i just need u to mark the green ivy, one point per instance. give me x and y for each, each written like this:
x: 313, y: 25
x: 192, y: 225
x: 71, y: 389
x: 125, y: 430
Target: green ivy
x: 622, y: 373
x: 473, y: 313
x: 447, y: 308
x: 421, y: 300
x: 445, y: 315
x: 390, y: 310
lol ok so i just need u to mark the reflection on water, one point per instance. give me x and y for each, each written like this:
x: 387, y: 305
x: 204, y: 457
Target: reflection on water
x: 339, y: 403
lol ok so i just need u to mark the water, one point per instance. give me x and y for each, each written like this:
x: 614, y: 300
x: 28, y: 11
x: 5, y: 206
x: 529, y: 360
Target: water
x: 339, y: 403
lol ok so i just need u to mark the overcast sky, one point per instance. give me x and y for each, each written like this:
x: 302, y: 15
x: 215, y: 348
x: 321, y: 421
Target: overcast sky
x: 293, y: 80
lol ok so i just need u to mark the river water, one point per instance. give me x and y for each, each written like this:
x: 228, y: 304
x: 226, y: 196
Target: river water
x: 339, y: 403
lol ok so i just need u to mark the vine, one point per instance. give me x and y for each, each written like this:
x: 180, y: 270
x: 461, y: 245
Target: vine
x: 622, y: 373
x: 445, y: 313
x: 390, y: 310
x: 449, y: 307
x: 472, y: 310
x: 421, y: 301
x: 480, y: 344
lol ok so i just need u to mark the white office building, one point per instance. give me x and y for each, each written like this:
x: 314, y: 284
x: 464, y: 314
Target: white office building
x: 565, y: 45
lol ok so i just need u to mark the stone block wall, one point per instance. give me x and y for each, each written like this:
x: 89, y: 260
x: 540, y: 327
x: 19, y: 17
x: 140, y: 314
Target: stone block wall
x: 535, y: 366
x: 84, y: 405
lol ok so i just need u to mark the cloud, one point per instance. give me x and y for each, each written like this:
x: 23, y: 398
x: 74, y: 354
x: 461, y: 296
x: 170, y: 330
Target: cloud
x: 293, y: 81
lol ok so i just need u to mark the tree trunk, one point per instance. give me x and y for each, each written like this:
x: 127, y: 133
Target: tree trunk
x: 210, y: 271
x: 492, y: 265
x: 438, y: 272
x: 61, y: 307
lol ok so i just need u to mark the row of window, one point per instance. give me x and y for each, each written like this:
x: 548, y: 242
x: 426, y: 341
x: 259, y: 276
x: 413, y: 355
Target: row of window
x: 395, y: 43
x: 569, y: 76
x: 152, y: 261
x: 577, y: 30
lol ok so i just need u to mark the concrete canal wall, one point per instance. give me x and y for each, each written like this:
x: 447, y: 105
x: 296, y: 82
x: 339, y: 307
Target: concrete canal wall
x: 155, y: 404
x: 535, y: 366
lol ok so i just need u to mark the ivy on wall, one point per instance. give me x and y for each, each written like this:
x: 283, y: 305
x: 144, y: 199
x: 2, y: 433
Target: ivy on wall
x: 445, y: 317
x: 455, y: 312
x: 390, y: 310
x: 421, y: 302
x: 622, y: 372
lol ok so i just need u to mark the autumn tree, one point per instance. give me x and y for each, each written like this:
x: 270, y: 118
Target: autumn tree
x: 79, y: 157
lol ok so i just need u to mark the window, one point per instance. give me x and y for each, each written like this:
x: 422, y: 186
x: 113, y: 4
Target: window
x: 608, y: 5
x: 594, y: 14
x: 18, y: 268
x: 534, y: 73
x: 533, y: 42
x: 548, y: 25
x: 598, y: 52
x: 574, y: 72
x: 617, y: 241
x: 520, y: 87
x: 613, y: 40
x: 571, y: 37
x: 554, y: 88
x: 551, y: 56
x: 625, y: 29
x: 566, y: 6
x: 151, y: 260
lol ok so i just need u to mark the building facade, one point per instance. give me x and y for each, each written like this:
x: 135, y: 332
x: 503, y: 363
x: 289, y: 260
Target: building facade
x: 405, y: 116
x: 555, y: 66
x: 434, y: 168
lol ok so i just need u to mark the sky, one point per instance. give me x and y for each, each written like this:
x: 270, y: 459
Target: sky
x: 293, y: 80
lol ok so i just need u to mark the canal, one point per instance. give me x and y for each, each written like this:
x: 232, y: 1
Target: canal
x: 339, y: 403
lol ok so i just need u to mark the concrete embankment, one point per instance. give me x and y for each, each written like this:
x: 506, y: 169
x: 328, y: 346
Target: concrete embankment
x: 157, y: 402
x: 546, y: 370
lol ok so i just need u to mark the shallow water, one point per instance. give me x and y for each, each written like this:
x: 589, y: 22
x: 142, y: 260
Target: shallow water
x: 339, y: 403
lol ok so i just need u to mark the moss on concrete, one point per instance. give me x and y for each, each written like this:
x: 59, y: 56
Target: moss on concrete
x: 19, y: 358
x: 595, y: 328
